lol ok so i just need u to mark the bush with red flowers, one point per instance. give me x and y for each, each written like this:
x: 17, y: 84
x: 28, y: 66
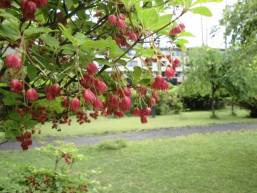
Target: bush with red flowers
x: 66, y: 58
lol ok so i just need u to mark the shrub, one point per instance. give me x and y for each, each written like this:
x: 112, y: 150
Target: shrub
x: 250, y: 104
x: 112, y: 145
x: 169, y: 102
x: 198, y: 102
x: 162, y: 109
x: 61, y: 178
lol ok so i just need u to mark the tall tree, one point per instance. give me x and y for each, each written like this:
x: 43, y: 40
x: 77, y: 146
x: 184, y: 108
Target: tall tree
x: 240, y: 21
x: 204, y: 75
x: 238, y: 77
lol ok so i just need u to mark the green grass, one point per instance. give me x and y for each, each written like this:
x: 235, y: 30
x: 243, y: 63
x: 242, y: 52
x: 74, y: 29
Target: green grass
x: 213, y: 163
x: 111, y: 125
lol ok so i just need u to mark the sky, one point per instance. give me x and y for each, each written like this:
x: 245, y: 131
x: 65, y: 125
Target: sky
x: 193, y: 25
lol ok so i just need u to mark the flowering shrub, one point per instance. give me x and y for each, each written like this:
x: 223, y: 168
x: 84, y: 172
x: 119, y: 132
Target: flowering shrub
x: 60, y: 178
x: 56, y: 55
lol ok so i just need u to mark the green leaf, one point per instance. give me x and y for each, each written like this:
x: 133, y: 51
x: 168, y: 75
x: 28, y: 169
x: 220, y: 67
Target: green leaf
x: 110, y: 81
x: 10, y: 98
x: 145, y: 81
x: 129, y: 3
x: 80, y: 38
x: 102, y: 46
x: 137, y: 74
x: 148, y: 17
x: 7, y: 15
x: 186, y: 34
x: 147, y: 52
x: 50, y: 41
x: 27, y: 121
x: 206, y: 1
x: 14, y: 116
x: 32, y: 72
x: 69, y: 3
x: 67, y: 34
x: 68, y: 49
x: 181, y: 43
x: 162, y: 21
x: 10, y: 29
x: 11, y: 128
x: 55, y: 105
x: 202, y: 11
x: 35, y: 31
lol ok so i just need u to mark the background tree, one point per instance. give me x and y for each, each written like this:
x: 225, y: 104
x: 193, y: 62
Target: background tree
x: 238, y: 77
x: 204, y: 75
x: 240, y: 22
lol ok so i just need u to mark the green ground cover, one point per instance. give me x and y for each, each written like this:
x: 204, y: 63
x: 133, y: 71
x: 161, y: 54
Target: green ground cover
x: 213, y: 163
x: 112, y: 125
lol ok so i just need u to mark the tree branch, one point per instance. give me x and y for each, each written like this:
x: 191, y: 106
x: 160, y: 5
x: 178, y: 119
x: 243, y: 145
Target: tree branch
x: 139, y: 39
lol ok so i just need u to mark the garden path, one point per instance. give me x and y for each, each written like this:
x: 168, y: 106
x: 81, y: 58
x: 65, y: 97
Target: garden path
x: 137, y: 135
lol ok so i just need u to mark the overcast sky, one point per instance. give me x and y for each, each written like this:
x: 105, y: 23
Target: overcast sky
x: 193, y: 25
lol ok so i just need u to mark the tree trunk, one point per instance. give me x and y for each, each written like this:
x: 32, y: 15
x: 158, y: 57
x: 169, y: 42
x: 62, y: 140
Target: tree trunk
x: 233, y: 113
x: 213, y: 108
x: 213, y: 92
x: 213, y: 102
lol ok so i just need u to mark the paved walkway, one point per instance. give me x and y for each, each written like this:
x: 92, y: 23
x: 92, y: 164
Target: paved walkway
x: 138, y: 135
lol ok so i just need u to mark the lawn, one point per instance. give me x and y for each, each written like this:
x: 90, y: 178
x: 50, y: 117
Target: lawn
x: 111, y: 125
x: 213, y: 163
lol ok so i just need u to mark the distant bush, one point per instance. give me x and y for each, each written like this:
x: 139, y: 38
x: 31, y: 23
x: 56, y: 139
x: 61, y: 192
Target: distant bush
x: 250, y: 104
x: 162, y: 109
x: 202, y: 102
x: 112, y: 145
x: 169, y: 103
